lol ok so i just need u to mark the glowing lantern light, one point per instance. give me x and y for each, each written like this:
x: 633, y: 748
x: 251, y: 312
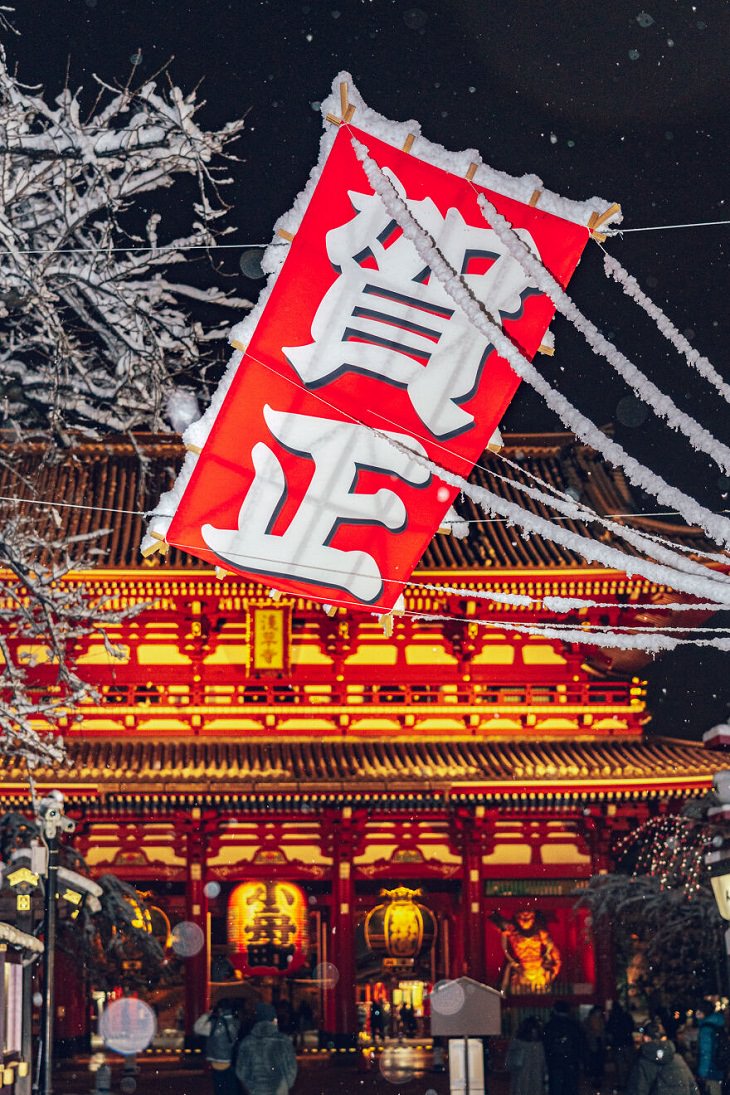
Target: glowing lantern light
x: 141, y: 918
x: 267, y: 927
x: 401, y: 928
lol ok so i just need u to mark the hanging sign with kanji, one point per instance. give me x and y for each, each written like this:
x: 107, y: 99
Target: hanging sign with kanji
x: 361, y: 373
x: 268, y: 928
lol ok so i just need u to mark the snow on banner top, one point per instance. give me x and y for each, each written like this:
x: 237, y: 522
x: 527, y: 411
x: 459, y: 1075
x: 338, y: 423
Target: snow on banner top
x: 354, y: 316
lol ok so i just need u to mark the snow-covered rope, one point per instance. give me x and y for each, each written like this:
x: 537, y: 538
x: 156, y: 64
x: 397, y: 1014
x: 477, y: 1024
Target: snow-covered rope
x: 644, y: 388
x: 653, y: 644
x: 583, y: 546
x: 631, y: 288
x: 707, y: 586
x: 577, y: 511
x: 691, y: 510
x: 657, y: 547
x: 563, y: 605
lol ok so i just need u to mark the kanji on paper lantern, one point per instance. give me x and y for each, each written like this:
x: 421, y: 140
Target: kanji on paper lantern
x: 267, y: 927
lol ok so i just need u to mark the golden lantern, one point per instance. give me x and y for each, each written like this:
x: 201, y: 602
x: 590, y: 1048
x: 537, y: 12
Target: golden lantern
x: 268, y: 927
x: 401, y: 927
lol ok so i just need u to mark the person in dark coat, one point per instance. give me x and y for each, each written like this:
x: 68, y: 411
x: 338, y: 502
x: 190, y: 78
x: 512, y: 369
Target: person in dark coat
x: 377, y: 1020
x: 564, y: 1050
x: 266, y: 1063
x: 620, y: 1034
x: 594, y: 1029
x: 710, y: 1024
x: 526, y: 1059
x: 659, y: 1069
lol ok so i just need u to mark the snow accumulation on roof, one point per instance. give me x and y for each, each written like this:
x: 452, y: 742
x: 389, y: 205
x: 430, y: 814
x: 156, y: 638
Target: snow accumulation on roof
x: 394, y: 133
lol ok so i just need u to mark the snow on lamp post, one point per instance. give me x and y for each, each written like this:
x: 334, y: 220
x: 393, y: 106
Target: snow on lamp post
x: 51, y: 819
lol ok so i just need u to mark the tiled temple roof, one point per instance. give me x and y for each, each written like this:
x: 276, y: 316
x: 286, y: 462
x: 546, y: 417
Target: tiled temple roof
x: 119, y: 474
x: 100, y: 769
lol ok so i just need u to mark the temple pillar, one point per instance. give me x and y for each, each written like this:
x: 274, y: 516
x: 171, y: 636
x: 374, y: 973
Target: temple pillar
x: 197, y: 964
x: 344, y: 832
x: 343, y: 935
x: 471, y: 830
x: 603, y: 943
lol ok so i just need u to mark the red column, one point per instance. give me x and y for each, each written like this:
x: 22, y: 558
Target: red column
x: 603, y: 941
x: 197, y: 965
x: 343, y: 931
x: 471, y: 826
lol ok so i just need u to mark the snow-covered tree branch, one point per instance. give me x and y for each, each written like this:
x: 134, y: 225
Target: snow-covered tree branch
x: 94, y: 333
x: 41, y: 618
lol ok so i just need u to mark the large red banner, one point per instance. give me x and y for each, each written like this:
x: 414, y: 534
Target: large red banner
x: 314, y: 475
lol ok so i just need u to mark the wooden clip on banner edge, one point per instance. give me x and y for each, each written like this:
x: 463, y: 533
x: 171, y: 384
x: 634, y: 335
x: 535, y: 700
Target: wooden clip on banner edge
x: 597, y: 219
x: 162, y: 545
x: 347, y: 109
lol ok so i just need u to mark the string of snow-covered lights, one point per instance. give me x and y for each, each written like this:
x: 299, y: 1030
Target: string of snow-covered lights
x: 716, y: 527
x: 664, y: 325
x: 644, y: 388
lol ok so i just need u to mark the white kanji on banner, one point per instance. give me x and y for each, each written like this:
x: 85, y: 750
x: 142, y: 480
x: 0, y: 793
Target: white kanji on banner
x: 399, y: 324
x: 339, y: 451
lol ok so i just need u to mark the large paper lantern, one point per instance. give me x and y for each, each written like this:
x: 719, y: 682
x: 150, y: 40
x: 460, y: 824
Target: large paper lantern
x: 267, y: 928
x: 401, y: 927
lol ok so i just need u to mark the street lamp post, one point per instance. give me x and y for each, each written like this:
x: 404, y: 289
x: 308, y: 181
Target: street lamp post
x: 52, y: 820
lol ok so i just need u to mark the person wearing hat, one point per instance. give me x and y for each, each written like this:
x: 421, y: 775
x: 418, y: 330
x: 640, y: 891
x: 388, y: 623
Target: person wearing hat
x: 266, y: 1063
x: 659, y: 1069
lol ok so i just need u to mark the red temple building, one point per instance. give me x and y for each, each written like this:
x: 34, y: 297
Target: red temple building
x: 245, y: 742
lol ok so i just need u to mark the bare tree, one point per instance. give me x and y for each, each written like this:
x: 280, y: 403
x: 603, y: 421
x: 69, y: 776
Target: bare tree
x: 94, y: 329
x: 41, y: 618
x: 95, y: 333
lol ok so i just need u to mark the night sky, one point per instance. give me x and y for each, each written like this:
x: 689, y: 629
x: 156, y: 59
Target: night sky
x: 628, y: 100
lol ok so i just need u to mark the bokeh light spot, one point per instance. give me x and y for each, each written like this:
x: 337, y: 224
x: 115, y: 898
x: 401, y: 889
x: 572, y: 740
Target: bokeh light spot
x: 447, y: 998
x: 127, y: 1025
x: 187, y: 939
x: 327, y: 974
x: 631, y: 411
x: 250, y: 263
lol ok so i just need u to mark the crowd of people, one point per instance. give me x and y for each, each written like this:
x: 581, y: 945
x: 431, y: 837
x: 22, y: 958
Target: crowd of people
x: 654, y: 1059
x: 255, y: 1054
